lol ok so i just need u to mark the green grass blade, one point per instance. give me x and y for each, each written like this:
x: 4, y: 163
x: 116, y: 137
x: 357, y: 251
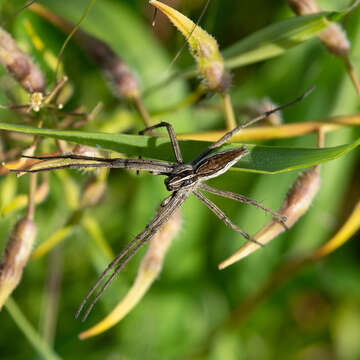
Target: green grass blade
x: 275, y: 39
x: 261, y: 159
x: 34, y: 338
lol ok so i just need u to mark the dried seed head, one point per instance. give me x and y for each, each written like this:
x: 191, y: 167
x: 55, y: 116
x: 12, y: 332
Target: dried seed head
x: 149, y: 270
x: 304, y: 7
x: 118, y: 73
x: 333, y: 37
x: 297, y: 202
x: 301, y: 195
x: 203, y: 47
x: 123, y: 81
x: 15, y: 257
x: 335, y: 40
x: 19, y: 64
x: 93, y: 192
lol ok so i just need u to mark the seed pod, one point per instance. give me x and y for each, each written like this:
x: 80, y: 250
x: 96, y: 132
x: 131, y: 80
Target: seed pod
x: 15, y: 257
x: 297, y: 202
x: 19, y: 64
x: 122, y: 79
x: 333, y: 37
x: 203, y: 47
x: 149, y: 270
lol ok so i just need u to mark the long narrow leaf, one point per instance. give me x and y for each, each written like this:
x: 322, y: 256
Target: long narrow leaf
x: 277, y: 38
x: 261, y: 159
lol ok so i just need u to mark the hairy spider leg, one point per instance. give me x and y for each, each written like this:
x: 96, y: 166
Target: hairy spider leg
x: 231, y: 133
x: 163, y: 214
x: 243, y: 199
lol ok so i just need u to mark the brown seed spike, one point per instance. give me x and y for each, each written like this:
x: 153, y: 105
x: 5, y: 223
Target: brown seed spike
x: 19, y: 64
x: 15, y: 257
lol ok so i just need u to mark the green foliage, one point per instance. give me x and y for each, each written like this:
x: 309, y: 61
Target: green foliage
x: 183, y: 314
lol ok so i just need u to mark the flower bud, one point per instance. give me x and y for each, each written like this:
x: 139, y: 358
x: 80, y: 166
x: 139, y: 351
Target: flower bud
x: 203, y: 47
x: 15, y: 257
x: 19, y: 64
x: 297, y: 202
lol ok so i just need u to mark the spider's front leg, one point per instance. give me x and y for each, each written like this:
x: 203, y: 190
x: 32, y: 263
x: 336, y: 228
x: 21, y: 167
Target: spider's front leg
x: 173, y: 139
x: 231, y: 133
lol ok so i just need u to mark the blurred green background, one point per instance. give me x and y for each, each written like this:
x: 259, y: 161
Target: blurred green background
x: 314, y: 315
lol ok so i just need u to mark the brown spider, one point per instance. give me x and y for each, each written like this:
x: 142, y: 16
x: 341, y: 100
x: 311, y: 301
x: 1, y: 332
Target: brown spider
x: 182, y: 180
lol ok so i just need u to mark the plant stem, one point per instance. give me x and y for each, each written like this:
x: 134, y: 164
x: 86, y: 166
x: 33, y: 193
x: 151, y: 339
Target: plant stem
x: 351, y: 71
x: 229, y: 111
x: 32, y: 190
x: 30, y: 333
x: 142, y: 111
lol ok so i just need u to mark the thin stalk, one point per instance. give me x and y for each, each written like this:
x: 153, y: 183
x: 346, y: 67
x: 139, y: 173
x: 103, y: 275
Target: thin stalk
x: 32, y: 192
x: 229, y: 111
x: 51, y: 297
x: 30, y: 333
x: 351, y: 71
x: 142, y: 111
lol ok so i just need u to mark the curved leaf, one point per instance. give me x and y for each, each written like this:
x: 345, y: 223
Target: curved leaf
x: 261, y: 159
x: 275, y: 39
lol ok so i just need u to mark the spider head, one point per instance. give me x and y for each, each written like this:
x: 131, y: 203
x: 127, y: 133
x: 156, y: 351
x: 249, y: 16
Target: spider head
x: 180, y: 178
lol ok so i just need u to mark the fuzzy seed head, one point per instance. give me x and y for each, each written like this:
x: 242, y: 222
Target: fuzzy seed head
x: 20, y: 65
x: 122, y: 79
x: 15, y: 257
x: 297, y: 202
x: 335, y: 40
x: 301, y: 195
x: 333, y: 37
x: 304, y: 7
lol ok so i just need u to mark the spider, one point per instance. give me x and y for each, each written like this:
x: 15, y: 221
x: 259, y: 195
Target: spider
x: 182, y: 179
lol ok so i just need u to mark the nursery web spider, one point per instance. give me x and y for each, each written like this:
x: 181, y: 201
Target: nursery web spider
x: 182, y: 180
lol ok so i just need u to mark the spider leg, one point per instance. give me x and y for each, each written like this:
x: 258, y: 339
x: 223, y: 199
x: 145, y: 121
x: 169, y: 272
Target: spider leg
x: 118, y: 268
x: 241, y: 198
x: 163, y: 214
x: 173, y: 139
x: 221, y: 215
x: 158, y: 167
x: 231, y: 133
